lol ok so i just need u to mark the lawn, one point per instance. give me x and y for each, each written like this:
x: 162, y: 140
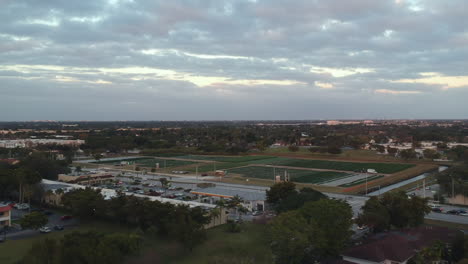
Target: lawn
x: 150, y: 162
x: 163, y: 163
x: 11, y: 251
x: 301, y: 176
x: 249, y: 246
x: 235, y: 159
x: 117, y: 161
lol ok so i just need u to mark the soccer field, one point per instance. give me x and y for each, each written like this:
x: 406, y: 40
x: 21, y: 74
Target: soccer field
x: 163, y: 163
x: 150, y: 162
x: 301, y: 176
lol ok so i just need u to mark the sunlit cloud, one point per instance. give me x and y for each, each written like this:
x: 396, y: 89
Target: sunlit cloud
x: 387, y: 91
x: 141, y: 73
x: 340, y: 72
x: 433, y: 78
x: 323, y: 85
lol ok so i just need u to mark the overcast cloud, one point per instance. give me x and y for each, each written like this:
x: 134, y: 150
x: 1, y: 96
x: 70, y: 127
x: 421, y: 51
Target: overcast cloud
x: 224, y: 60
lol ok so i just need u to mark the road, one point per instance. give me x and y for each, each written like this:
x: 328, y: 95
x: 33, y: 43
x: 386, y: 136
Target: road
x: 54, y: 219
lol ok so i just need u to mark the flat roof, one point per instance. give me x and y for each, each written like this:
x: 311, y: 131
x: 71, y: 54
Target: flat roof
x: 109, y: 193
x: 248, y: 195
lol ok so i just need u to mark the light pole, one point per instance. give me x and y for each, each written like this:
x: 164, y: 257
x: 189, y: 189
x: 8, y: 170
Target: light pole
x: 366, y: 182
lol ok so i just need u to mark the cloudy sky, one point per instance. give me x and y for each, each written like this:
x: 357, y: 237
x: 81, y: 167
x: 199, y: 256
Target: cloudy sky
x: 233, y: 60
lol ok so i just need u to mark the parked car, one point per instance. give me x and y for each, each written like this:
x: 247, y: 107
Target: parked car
x: 437, y: 210
x: 462, y: 212
x: 256, y: 213
x: 22, y: 206
x: 66, y: 217
x: 45, y: 229
x: 58, y: 227
x: 454, y: 212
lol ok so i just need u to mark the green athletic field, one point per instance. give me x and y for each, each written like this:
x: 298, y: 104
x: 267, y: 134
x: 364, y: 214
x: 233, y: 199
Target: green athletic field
x: 301, y: 176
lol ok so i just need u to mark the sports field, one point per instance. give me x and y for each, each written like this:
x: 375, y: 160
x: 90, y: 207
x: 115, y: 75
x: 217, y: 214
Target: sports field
x: 150, y: 162
x: 301, y: 176
x: 163, y: 163
x: 225, y: 158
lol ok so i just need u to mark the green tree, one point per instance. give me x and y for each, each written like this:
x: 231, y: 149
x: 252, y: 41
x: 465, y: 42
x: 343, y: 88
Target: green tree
x: 394, y: 209
x: 25, y: 177
x: 433, y: 254
x: 164, y: 182
x: 97, y: 156
x: 374, y: 215
x: 296, y: 200
x: 289, y: 237
x: 330, y: 223
x: 84, y: 203
x: 187, y: 226
x: 34, y: 220
x: 280, y: 191
x: 408, y: 154
x: 431, y: 154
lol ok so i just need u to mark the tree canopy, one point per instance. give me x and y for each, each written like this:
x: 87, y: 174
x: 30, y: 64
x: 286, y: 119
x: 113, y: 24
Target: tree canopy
x: 317, y: 230
x: 393, y: 209
x: 34, y: 220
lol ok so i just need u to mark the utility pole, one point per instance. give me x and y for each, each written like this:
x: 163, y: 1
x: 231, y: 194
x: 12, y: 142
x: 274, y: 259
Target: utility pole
x: 424, y: 188
x: 453, y: 188
x: 366, y: 183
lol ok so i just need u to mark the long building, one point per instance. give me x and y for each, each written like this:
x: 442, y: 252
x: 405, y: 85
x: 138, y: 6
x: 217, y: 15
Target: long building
x: 5, y: 215
x: 33, y: 142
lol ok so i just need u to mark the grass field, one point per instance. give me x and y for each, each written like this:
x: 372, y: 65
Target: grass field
x: 301, y: 176
x: 232, y: 162
x: 226, y: 158
x: 357, y: 182
x: 117, y: 161
x: 163, y: 163
x: 12, y: 250
x: 249, y: 246
x: 150, y: 162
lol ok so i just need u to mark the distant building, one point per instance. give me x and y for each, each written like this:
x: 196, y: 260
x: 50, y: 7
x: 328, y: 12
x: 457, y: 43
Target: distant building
x: 33, y: 142
x: 5, y: 215
x: 87, y: 179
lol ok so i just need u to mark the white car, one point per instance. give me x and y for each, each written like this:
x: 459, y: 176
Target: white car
x: 22, y: 206
x: 45, y: 229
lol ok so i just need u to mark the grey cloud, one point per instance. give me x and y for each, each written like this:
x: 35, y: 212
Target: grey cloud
x: 391, y: 39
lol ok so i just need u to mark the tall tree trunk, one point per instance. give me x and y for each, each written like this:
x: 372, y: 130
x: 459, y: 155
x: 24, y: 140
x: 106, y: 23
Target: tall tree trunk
x: 20, y: 192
